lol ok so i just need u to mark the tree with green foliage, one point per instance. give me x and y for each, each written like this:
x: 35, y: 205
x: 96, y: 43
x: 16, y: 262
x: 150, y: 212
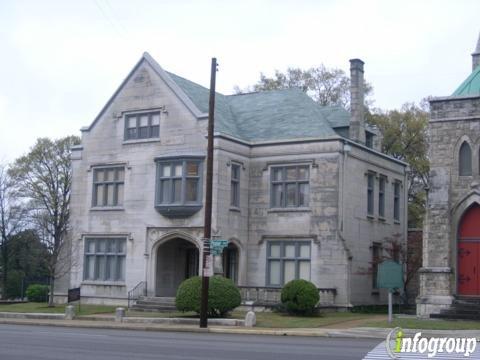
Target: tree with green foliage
x: 12, y: 219
x: 404, y: 134
x: 327, y: 86
x: 44, y: 178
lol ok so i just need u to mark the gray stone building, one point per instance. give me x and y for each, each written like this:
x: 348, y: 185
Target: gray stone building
x: 300, y: 191
x: 451, y: 250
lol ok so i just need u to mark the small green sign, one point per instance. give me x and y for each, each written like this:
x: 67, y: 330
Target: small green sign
x: 390, y: 275
x: 217, y: 246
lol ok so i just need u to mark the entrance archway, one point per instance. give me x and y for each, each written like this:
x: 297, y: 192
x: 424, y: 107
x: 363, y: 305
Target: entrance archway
x: 177, y: 260
x: 230, y: 262
x: 468, y: 277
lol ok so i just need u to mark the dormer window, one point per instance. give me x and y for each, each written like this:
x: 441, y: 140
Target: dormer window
x: 142, y: 126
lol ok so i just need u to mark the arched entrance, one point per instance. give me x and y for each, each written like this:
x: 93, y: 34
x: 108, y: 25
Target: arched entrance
x: 177, y: 260
x: 230, y: 262
x: 468, y: 278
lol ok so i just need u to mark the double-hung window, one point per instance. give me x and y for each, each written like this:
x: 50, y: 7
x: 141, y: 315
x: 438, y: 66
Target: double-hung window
x: 235, y: 186
x: 376, y: 259
x: 287, y: 260
x: 179, y: 186
x: 104, y: 259
x: 290, y: 186
x: 108, y: 184
x: 142, y: 126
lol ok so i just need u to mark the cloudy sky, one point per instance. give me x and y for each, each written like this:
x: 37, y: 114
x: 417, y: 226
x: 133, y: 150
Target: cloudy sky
x: 62, y: 60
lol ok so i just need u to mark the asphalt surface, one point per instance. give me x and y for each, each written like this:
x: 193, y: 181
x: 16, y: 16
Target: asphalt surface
x: 45, y: 342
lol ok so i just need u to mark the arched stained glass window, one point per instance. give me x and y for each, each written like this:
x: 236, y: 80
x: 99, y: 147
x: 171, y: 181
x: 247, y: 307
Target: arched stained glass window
x: 465, y: 160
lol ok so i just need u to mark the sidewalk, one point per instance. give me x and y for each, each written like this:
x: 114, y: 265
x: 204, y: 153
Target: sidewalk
x: 357, y: 332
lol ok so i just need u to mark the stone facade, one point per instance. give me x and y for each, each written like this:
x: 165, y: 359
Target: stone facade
x: 455, y: 120
x: 335, y: 224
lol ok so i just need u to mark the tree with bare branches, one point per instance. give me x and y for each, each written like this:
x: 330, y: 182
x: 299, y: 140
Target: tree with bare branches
x: 44, y: 178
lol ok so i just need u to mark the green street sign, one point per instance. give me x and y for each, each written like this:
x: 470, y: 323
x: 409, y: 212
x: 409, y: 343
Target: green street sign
x: 390, y: 275
x: 217, y: 246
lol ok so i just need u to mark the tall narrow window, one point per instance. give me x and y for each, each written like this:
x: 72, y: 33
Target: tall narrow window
x: 396, y: 201
x: 108, y: 186
x: 376, y: 259
x: 465, y: 160
x: 381, y: 196
x: 235, y: 186
x: 290, y: 186
x: 370, y: 192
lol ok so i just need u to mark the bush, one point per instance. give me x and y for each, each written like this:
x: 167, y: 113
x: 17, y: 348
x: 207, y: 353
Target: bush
x: 300, y: 297
x: 223, y: 296
x: 37, y: 293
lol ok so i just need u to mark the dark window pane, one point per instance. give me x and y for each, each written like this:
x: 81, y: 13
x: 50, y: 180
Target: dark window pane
x: 291, y: 173
x: 291, y: 194
x: 278, y: 195
x: 165, y: 191
x: 177, y: 191
x: 465, y: 158
x: 192, y: 168
x: 192, y: 190
x: 143, y: 132
x: 132, y: 133
x: 155, y: 131
x: 303, y: 192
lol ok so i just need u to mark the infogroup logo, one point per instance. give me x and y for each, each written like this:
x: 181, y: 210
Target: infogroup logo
x: 400, y: 346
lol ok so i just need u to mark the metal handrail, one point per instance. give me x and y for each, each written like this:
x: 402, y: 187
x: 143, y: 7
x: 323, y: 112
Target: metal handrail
x: 139, y: 290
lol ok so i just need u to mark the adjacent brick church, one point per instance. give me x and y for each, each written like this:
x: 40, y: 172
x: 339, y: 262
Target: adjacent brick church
x: 451, y: 257
x: 300, y: 191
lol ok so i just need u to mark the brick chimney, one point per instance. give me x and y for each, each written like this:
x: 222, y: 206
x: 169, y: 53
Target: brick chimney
x: 357, y: 121
x: 476, y: 55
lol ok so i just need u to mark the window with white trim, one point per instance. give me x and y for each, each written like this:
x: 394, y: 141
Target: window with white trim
x: 287, y: 260
x: 289, y: 186
x: 142, y: 125
x: 370, y: 193
x: 396, y: 200
x: 108, y: 186
x: 381, y: 196
x: 104, y: 259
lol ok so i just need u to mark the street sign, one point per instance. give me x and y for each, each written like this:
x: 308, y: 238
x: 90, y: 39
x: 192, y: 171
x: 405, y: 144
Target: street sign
x: 390, y: 275
x: 217, y: 246
x: 208, y: 267
x: 73, y: 294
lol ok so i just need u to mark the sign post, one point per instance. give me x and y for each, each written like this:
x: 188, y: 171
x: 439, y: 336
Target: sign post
x: 74, y: 295
x: 390, y: 276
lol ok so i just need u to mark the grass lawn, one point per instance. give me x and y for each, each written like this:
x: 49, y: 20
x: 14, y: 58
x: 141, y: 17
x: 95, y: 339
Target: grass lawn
x: 426, y: 324
x: 32, y: 307
x: 273, y: 319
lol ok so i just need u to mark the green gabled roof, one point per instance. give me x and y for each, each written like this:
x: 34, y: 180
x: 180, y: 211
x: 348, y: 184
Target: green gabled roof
x: 471, y: 86
x: 268, y: 115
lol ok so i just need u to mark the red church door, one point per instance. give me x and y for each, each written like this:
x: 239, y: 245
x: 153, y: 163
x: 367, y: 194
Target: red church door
x: 469, y: 253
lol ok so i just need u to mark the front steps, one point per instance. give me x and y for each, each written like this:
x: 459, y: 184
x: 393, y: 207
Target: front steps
x: 154, y: 304
x: 462, y: 308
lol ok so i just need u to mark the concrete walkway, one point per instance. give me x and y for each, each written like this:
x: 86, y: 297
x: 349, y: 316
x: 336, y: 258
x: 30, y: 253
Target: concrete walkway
x: 356, y: 332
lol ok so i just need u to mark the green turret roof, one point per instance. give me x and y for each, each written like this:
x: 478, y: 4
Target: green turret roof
x: 471, y: 86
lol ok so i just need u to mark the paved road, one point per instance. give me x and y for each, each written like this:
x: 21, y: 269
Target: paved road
x: 20, y: 342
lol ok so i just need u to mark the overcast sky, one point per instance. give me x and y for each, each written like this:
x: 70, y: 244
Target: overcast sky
x: 62, y: 60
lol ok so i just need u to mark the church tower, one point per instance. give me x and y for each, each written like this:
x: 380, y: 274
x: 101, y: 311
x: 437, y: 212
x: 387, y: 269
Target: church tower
x: 451, y: 234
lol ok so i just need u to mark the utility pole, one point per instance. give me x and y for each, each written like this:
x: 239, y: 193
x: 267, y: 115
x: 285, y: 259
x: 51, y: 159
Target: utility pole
x: 207, y: 232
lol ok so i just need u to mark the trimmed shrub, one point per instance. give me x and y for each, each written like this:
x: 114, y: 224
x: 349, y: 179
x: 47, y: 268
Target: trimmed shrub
x: 223, y: 296
x: 37, y: 293
x: 300, y: 297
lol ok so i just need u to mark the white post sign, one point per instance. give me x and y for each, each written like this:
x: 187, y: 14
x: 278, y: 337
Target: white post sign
x: 208, y: 266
